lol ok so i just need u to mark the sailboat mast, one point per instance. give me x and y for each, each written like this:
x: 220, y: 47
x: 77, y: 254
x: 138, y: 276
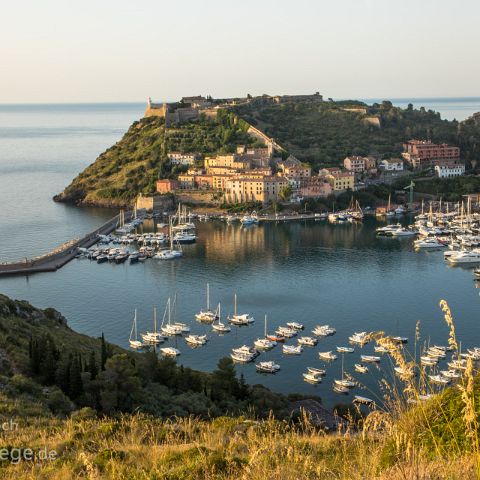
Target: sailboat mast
x: 135, y: 324
x: 235, y: 306
x: 265, y: 333
x: 208, y: 297
x: 155, y: 320
x: 169, y: 310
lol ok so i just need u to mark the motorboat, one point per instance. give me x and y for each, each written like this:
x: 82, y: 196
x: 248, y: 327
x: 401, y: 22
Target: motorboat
x: 380, y: 349
x: 360, y: 368
x: 308, y: 341
x: 295, y: 325
x: 340, y: 389
x: 327, y: 355
x: 312, y: 377
x: 370, y: 358
x: 404, y: 372
x: 267, y: 367
x: 292, y: 349
x: 276, y: 338
x: 458, y: 364
x: 398, y: 339
x: 196, y: 340
x: 345, y: 349
x: 317, y: 371
x: 286, y: 332
x: 242, y: 357
x: 403, y: 232
x: 170, y: 351
x: 465, y: 257
x: 450, y: 374
x: 246, y: 350
x: 429, y: 243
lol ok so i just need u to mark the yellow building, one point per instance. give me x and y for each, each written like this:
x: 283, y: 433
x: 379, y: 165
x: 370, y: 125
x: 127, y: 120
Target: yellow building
x: 227, y: 161
x: 249, y: 189
x: 341, y: 181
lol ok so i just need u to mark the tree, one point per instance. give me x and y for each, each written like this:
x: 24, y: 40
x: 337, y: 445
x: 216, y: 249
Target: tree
x: 104, y: 353
x: 76, y: 384
x: 286, y: 193
x: 92, y: 366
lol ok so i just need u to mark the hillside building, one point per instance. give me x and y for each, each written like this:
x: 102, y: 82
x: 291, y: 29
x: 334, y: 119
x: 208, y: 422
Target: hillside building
x: 424, y: 153
x: 449, y: 171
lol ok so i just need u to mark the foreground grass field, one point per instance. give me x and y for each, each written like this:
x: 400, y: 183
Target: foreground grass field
x: 140, y: 447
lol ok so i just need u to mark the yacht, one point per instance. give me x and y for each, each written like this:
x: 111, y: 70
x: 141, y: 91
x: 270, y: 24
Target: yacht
x: 429, y: 243
x: 220, y: 327
x: 428, y: 361
x: 380, y: 349
x: 286, y: 332
x: 340, y: 389
x: 308, y: 341
x: 133, y: 339
x: 451, y: 374
x: 465, y: 257
x: 207, y: 315
x: 153, y: 337
x: 264, y: 343
x: 240, y: 319
x: 439, y: 379
x: 363, y: 400
x: 403, y: 232
x: 388, y: 229
x: 242, y: 357
x: 267, y: 367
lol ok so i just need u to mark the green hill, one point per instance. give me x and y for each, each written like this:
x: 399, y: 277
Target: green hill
x: 133, y: 164
x: 319, y: 133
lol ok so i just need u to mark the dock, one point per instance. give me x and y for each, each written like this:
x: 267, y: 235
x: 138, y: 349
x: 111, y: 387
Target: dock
x: 57, y: 258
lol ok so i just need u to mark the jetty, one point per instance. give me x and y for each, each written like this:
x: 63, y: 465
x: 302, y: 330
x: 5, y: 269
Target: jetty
x: 60, y: 256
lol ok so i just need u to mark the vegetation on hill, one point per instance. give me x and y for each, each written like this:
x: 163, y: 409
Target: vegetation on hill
x: 434, y: 439
x: 324, y: 133
x: 38, y: 349
x: 133, y: 165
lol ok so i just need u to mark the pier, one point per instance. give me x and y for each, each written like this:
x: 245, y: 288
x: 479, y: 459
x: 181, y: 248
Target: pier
x: 60, y: 256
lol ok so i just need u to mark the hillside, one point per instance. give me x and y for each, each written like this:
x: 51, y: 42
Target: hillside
x: 319, y: 133
x: 324, y: 133
x: 134, y: 163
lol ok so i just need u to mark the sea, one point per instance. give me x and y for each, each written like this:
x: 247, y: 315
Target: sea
x: 305, y: 271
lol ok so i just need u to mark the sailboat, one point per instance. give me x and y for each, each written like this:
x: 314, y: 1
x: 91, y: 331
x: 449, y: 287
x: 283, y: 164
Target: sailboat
x: 172, y: 328
x: 343, y: 382
x: 206, y: 316
x: 389, y: 212
x: 220, y: 327
x: 242, y: 319
x: 171, y: 253
x: 264, y: 343
x: 133, y: 339
x: 153, y: 337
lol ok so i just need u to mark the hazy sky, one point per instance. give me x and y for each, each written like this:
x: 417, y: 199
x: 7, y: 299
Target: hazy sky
x: 116, y: 50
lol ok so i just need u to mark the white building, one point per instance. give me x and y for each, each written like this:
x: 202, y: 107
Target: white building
x: 392, y: 165
x: 178, y: 158
x: 448, y: 171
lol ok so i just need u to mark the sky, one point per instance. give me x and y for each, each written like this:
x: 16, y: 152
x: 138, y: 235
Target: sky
x: 122, y: 51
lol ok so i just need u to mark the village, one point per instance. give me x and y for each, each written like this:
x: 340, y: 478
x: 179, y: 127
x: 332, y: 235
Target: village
x: 265, y: 174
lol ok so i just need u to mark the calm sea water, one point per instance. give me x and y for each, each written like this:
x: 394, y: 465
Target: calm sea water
x: 310, y: 272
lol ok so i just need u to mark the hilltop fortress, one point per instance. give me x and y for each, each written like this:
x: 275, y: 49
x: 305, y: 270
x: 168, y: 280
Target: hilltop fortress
x: 190, y: 108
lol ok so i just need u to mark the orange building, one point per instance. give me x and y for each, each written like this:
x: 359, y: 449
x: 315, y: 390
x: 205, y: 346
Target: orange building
x: 166, y: 185
x: 424, y: 153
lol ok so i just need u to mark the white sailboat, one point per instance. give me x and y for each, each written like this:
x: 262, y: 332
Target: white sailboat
x: 206, y: 316
x: 169, y: 254
x: 153, y: 337
x: 264, y: 343
x: 220, y: 327
x: 133, y: 339
x: 343, y: 382
x: 240, y: 319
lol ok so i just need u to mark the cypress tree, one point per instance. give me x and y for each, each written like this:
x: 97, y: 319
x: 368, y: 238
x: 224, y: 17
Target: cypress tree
x: 104, y: 353
x: 76, y: 385
x: 92, y: 366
